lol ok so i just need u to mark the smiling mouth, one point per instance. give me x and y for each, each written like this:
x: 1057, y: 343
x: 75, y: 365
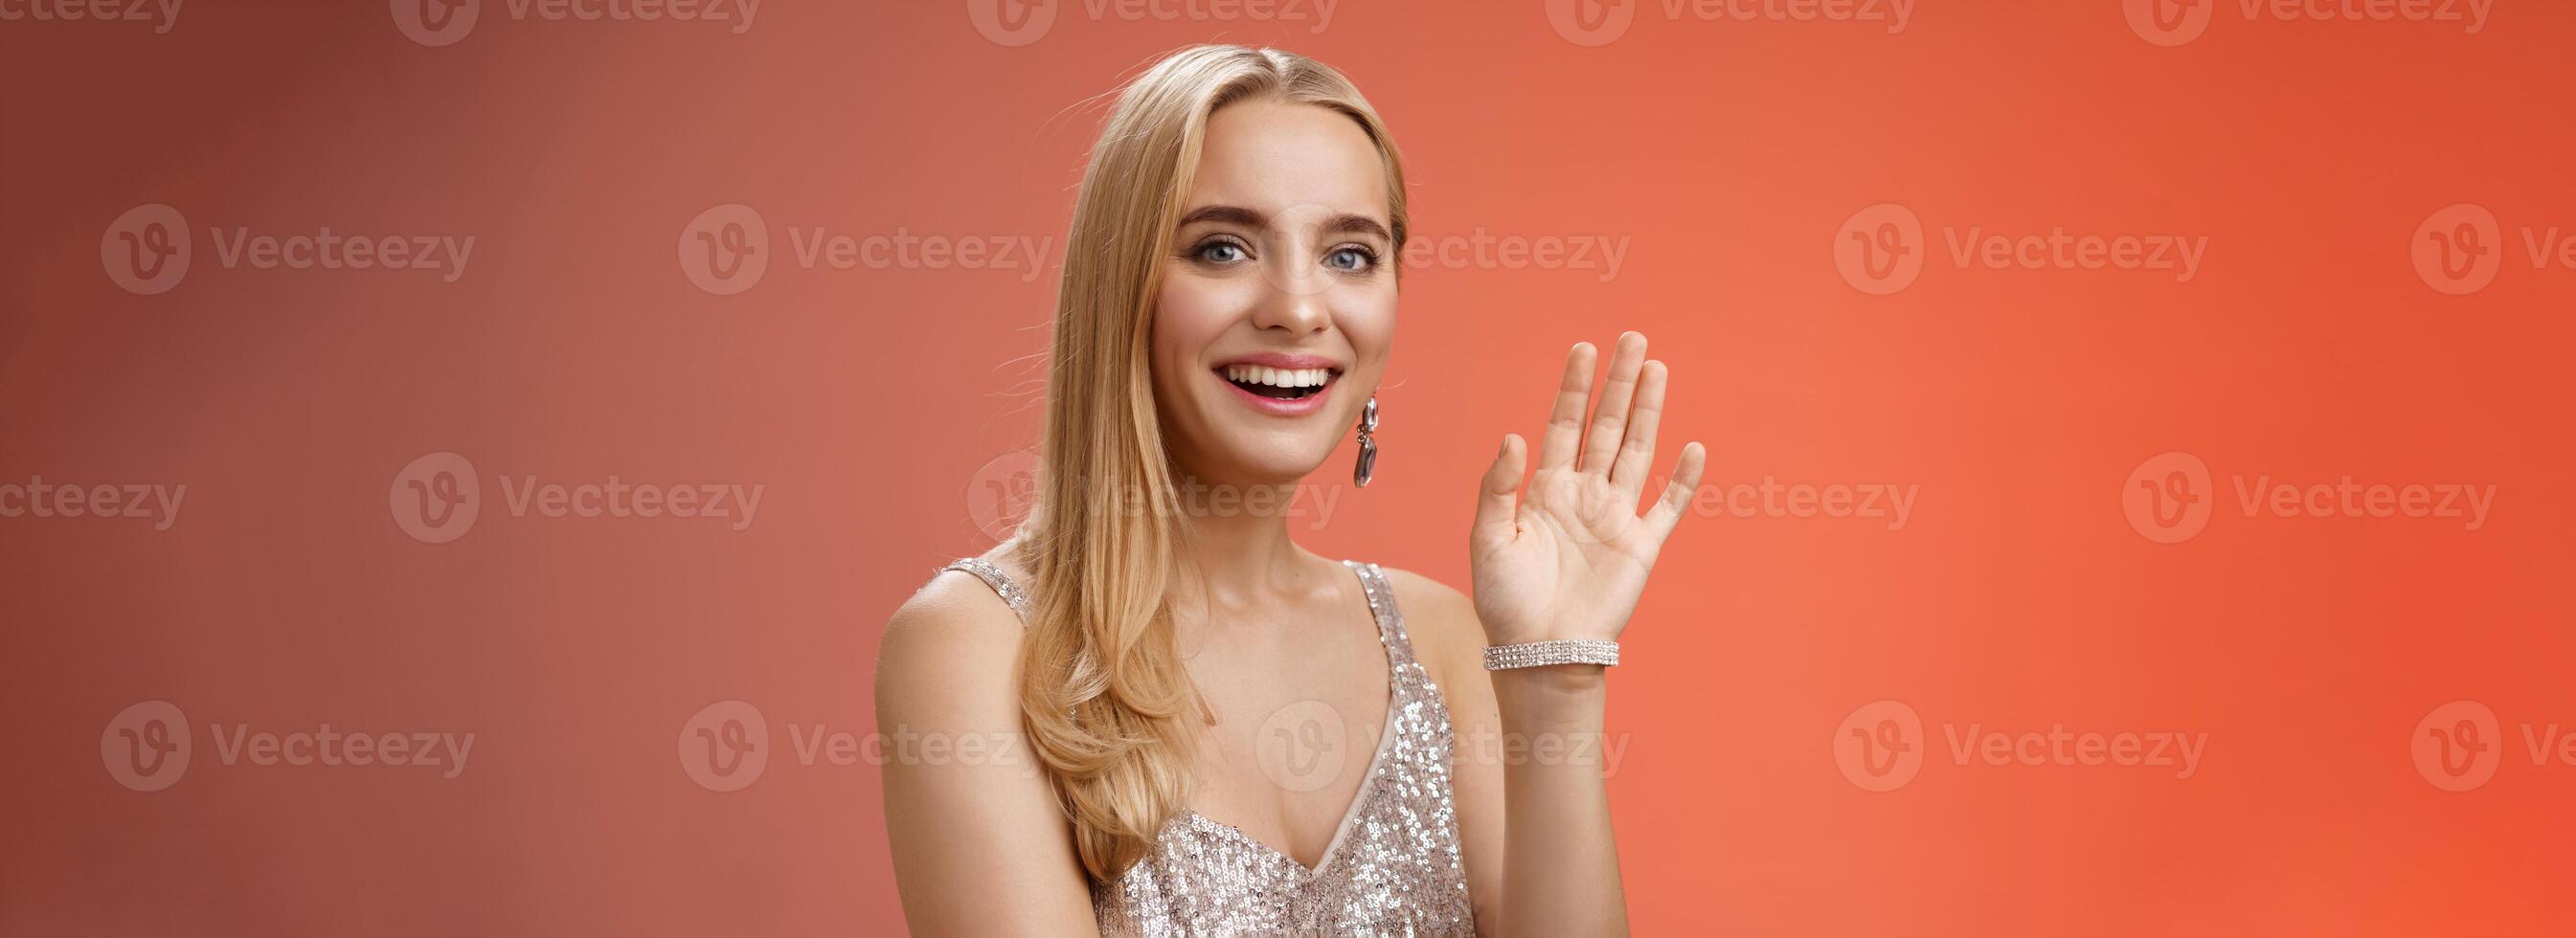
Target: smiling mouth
x: 1286, y: 384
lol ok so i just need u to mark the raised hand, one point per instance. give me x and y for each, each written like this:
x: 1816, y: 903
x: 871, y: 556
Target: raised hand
x: 1569, y: 559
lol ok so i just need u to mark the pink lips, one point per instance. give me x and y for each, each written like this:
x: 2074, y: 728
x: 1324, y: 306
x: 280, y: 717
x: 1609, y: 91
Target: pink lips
x: 1277, y: 406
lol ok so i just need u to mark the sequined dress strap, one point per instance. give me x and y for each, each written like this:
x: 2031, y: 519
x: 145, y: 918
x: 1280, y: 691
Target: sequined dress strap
x: 1001, y: 583
x: 1382, y: 607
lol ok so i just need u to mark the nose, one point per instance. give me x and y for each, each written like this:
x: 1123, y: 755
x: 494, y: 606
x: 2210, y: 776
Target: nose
x: 1297, y: 301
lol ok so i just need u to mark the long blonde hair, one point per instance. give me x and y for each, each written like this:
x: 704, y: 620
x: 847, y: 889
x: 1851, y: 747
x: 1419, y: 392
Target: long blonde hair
x: 1109, y: 709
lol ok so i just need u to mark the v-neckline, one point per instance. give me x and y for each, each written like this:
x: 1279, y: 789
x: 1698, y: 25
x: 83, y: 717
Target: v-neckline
x: 1377, y: 759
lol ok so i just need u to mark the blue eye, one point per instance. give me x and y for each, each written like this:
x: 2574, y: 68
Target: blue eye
x: 1221, y: 252
x: 1350, y: 259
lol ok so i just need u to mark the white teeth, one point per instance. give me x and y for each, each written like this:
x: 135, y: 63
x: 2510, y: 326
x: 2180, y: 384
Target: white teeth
x: 1278, y: 377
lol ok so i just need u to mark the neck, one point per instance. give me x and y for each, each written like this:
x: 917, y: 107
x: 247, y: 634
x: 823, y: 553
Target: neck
x: 1237, y: 537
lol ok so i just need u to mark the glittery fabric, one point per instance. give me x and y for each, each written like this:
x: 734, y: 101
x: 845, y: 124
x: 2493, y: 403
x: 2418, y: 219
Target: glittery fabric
x: 1392, y: 869
x: 1001, y: 583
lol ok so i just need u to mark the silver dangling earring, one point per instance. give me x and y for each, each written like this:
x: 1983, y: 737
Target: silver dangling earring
x: 1368, y: 446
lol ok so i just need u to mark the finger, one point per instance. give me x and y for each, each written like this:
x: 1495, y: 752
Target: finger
x: 1565, y: 419
x: 1611, y: 416
x: 1498, y: 503
x: 1637, y: 449
x: 1677, y: 496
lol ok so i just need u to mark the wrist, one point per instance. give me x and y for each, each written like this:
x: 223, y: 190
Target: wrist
x: 1555, y: 694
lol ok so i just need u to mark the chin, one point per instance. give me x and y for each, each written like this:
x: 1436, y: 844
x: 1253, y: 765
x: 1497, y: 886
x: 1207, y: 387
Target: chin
x: 1265, y: 459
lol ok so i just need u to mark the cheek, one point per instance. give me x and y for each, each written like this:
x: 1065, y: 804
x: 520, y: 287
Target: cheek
x: 1192, y: 312
x: 1189, y: 315
x: 1367, y: 322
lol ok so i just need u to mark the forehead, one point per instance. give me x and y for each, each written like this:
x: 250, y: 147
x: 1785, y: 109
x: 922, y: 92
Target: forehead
x: 1277, y: 158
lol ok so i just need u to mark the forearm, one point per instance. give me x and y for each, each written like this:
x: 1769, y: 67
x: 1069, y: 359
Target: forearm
x: 1560, y: 858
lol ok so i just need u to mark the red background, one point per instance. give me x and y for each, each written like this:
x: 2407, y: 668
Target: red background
x: 2016, y: 597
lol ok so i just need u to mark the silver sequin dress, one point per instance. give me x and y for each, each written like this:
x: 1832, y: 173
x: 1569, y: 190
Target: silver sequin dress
x: 1392, y: 869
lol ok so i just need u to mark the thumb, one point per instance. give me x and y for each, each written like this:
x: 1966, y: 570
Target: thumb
x: 1498, y: 501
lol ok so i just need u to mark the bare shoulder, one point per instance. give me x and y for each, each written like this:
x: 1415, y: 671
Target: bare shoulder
x: 962, y: 785
x: 950, y: 651
x: 1441, y: 621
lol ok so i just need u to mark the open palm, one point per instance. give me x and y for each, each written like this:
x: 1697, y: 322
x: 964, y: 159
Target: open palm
x: 1569, y: 559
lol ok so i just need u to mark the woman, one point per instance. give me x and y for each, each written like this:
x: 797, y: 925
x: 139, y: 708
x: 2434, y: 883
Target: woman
x: 1228, y: 301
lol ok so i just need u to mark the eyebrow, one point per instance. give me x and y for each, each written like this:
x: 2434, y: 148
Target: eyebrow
x: 1232, y: 214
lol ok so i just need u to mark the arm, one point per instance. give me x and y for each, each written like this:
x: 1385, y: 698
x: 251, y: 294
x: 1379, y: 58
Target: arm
x: 1562, y: 867
x: 980, y: 846
x: 1569, y: 560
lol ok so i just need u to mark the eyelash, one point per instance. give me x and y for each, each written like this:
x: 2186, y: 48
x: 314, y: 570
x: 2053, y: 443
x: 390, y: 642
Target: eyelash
x: 1368, y: 257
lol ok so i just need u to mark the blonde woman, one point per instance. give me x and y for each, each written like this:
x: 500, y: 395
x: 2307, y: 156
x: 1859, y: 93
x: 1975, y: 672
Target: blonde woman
x: 1227, y: 305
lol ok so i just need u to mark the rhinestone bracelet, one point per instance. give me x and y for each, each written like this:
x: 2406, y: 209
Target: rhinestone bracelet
x: 1560, y: 651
